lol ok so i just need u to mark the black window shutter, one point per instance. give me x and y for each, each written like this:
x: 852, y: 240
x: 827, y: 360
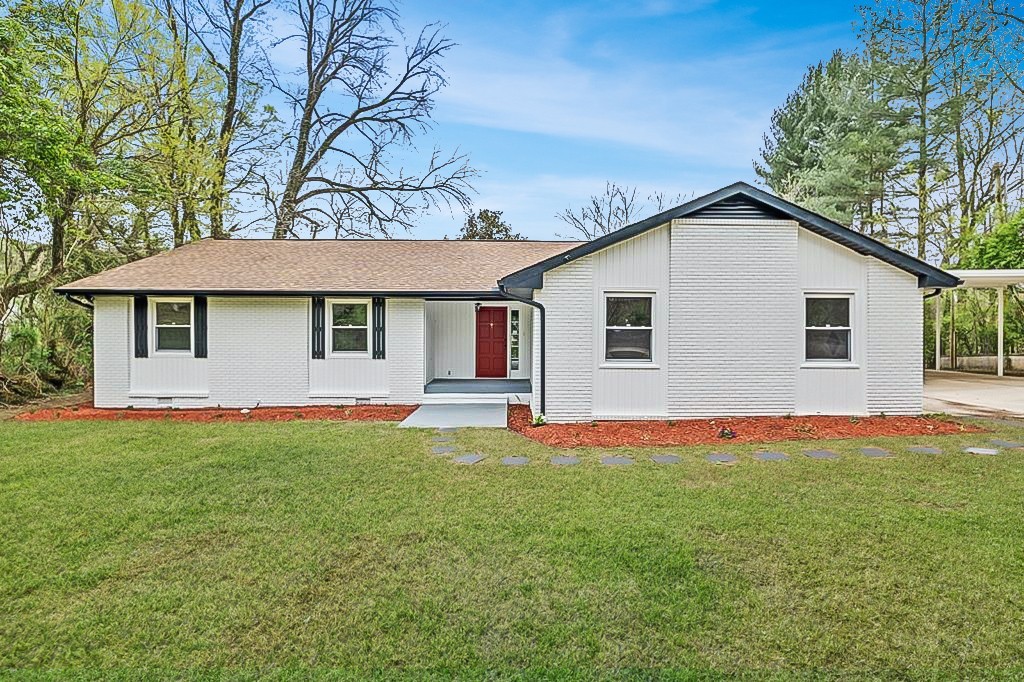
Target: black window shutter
x: 318, y: 328
x: 199, y: 303
x: 141, y: 328
x: 378, y: 328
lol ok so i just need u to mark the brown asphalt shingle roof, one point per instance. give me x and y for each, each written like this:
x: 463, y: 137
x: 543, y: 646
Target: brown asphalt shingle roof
x: 333, y: 266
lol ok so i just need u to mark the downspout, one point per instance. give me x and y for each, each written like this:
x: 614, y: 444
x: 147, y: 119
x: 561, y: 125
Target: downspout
x: 543, y: 363
x: 934, y: 293
x: 84, y: 304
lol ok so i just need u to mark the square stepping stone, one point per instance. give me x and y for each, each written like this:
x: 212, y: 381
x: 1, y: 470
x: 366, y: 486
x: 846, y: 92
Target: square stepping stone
x: 616, y: 460
x: 468, y: 459
x: 1000, y: 443
x: 565, y: 461
x: 442, y: 450
x: 515, y: 461
x: 721, y: 458
x: 665, y: 459
x: 442, y: 439
x: 875, y: 452
x: 771, y: 456
x: 821, y: 454
x: 925, y: 450
x: 447, y: 429
x: 981, y: 451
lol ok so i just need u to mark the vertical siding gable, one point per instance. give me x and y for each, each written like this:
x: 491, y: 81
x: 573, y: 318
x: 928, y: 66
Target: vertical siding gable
x: 637, y: 265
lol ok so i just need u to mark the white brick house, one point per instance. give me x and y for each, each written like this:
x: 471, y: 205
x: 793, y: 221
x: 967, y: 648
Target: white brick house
x: 736, y: 303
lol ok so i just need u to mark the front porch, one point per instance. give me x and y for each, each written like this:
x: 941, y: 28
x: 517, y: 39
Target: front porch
x: 477, y: 351
x: 506, y: 386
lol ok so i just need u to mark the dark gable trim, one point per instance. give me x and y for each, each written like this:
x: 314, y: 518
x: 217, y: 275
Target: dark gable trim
x: 741, y: 200
x: 141, y: 309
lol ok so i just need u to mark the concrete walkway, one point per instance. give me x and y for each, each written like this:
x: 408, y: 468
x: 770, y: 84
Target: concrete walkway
x: 978, y: 395
x: 458, y: 415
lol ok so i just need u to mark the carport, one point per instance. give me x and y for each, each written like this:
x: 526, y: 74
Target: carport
x: 976, y: 279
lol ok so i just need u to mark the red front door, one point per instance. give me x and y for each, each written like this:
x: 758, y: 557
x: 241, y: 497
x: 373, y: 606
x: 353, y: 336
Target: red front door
x: 491, y: 335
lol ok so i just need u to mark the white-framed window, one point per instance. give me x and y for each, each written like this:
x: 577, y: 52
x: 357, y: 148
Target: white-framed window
x: 628, y: 327
x: 172, y: 325
x: 513, y: 333
x: 828, y: 332
x: 350, y: 326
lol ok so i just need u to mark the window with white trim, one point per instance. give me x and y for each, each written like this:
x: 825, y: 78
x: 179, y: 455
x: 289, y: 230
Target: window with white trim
x: 513, y: 333
x: 350, y: 331
x: 629, y: 327
x: 828, y: 335
x: 172, y: 325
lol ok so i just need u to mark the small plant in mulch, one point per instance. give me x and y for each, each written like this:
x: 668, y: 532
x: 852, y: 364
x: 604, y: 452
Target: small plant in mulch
x: 854, y: 420
x: 806, y: 429
x: 726, y: 433
x: 593, y: 424
x: 539, y: 420
x: 671, y: 422
x: 298, y: 415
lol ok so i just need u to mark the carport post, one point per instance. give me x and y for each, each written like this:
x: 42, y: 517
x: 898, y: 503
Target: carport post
x: 938, y: 331
x: 999, y: 336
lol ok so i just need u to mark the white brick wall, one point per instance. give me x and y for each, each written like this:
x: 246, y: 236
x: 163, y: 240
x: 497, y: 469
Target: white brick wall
x: 735, y: 322
x: 405, y: 349
x: 568, y: 296
x: 259, y: 353
x: 112, y: 350
x: 895, y: 362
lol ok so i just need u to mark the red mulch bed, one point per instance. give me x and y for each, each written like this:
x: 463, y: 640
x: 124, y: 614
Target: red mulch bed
x: 370, y: 413
x: 705, y: 431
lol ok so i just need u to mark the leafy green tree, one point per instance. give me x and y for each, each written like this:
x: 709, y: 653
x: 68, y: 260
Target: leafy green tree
x: 486, y: 224
x: 1001, y: 248
x: 835, y: 143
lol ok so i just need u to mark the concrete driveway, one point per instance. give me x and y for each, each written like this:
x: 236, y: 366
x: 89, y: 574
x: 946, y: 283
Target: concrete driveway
x: 979, y: 395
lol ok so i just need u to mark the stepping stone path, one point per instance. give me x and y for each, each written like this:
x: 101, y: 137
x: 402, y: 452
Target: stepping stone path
x: 875, y: 452
x: 442, y: 450
x: 771, y: 456
x: 442, y: 439
x: 721, y: 458
x: 821, y: 454
x: 565, y: 461
x: 981, y: 451
x: 1006, y: 443
x: 468, y: 459
x: 515, y: 461
x: 925, y: 450
x: 616, y: 461
x: 665, y: 459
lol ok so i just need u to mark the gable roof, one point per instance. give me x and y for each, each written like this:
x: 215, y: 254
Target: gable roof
x: 741, y: 200
x: 295, y: 267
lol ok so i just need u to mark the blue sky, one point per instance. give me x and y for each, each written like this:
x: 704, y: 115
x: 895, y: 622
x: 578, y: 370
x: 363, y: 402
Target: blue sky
x: 552, y: 99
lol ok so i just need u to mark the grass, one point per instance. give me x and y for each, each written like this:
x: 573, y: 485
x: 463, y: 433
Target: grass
x: 286, y: 550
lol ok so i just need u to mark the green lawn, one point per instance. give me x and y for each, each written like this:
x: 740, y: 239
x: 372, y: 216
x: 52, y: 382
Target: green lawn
x: 240, y: 550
